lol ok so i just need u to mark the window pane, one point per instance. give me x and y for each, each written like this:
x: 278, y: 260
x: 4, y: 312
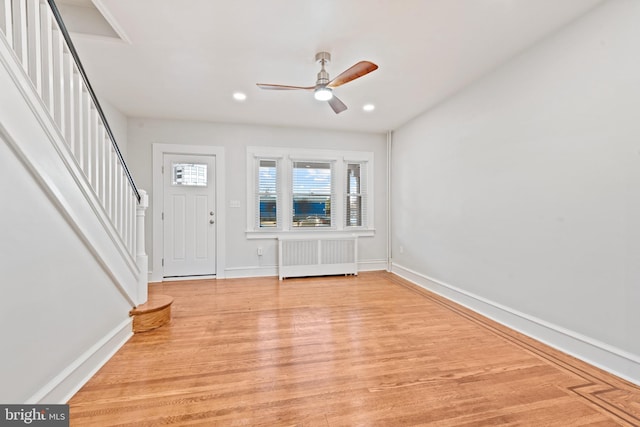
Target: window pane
x: 311, y: 178
x: 268, y: 216
x: 353, y: 205
x: 311, y: 211
x: 311, y: 194
x: 354, y: 211
x: 189, y: 174
x: 267, y: 177
x: 267, y: 193
x: 353, y: 179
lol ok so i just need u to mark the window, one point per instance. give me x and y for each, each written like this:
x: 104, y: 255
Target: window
x: 355, y: 196
x: 311, y: 194
x: 302, y: 190
x: 267, y: 194
x: 189, y: 174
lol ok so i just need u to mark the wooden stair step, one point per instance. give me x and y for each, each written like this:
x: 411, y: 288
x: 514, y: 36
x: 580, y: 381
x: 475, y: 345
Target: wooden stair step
x: 152, y: 314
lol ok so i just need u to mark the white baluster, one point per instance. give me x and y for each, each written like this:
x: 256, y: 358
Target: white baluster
x: 101, y: 160
x: 78, y: 125
x: 86, y: 133
x: 6, y: 24
x: 68, y: 66
x: 115, y: 173
x: 108, y: 189
x: 34, y: 38
x: 46, y: 32
x: 89, y: 143
x: 112, y: 188
x: 126, y: 226
x: 123, y: 201
x: 93, y: 149
x: 118, y: 217
x: 58, y: 79
x: 20, y: 32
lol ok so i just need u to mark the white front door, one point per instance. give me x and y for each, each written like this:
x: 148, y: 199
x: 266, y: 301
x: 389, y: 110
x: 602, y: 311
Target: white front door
x: 189, y: 215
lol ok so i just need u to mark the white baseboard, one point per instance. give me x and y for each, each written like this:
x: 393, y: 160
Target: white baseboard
x: 67, y: 383
x: 604, y: 356
x: 373, y: 265
x: 272, y: 270
x: 252, y: 271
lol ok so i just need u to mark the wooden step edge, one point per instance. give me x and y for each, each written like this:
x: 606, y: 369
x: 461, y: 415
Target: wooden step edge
x: 156, y: 312
x: 154, y: 303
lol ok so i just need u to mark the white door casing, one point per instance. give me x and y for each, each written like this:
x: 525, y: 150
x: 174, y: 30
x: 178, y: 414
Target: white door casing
x: 189, y: 215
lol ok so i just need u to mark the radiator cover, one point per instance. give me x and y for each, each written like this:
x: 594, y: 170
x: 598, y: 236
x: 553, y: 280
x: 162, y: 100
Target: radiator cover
x: 317, y: 256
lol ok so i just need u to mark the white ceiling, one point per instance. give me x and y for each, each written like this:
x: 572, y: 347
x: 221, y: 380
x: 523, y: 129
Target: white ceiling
x: 184, y: 59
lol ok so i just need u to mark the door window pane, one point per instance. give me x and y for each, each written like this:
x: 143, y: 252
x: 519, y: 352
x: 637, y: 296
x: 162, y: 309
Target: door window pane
x: 189, y: 174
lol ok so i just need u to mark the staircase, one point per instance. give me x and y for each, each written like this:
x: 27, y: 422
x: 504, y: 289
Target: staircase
x: 37, y: 50
x: 73, y: 237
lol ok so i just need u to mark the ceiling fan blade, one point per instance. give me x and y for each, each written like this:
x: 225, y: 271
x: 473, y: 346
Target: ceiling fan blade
x: 358, y: 70
x: 283, y: 87
x: 337, y: 105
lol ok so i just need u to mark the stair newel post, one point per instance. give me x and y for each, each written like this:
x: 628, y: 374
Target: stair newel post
x: 142, y: 259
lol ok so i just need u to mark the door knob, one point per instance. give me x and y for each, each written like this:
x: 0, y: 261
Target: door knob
x: 211, y: 221
x: 211, y: 213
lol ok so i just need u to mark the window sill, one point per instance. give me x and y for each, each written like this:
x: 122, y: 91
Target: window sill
x: 274, y: 234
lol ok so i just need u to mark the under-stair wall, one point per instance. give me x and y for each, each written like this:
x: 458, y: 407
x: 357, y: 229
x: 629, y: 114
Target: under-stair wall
x: 71, y: 266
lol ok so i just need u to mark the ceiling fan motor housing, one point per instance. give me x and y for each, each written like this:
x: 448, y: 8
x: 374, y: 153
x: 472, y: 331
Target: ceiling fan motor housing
x: 323, y: 75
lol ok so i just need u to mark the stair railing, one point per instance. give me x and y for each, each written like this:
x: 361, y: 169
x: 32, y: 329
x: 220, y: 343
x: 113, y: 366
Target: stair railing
x: 35, y: 32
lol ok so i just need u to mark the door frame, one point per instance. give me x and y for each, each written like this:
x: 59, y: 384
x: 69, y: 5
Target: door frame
x: 157, y: 198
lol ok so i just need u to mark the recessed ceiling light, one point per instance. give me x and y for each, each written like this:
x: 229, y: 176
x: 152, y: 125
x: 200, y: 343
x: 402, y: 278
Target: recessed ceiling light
x: 239, y: 96
x: 369, y: 107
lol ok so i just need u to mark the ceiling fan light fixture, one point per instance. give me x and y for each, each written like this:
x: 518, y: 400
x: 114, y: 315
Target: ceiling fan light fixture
x: 323, y: 94
x: 239, y: 96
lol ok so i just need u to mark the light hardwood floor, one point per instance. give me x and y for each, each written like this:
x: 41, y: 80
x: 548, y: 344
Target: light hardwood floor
x: 341, y: 351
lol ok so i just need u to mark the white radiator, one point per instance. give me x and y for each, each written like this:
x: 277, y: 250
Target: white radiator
x: 313, y: 256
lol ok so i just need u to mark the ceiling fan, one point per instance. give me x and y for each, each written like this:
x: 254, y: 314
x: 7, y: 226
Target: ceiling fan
x: 323, y: 89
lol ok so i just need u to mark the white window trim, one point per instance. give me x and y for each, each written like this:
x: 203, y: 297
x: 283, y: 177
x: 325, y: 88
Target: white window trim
x: 254, y: 189
x: 285, y: 157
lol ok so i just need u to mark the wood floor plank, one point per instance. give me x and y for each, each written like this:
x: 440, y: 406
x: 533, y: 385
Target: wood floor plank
x: 341, y: 351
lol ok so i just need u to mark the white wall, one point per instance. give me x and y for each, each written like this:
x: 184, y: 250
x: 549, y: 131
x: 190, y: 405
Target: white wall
x: 241, y: 253
x: 57, y: 302
x: 522, y: 192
